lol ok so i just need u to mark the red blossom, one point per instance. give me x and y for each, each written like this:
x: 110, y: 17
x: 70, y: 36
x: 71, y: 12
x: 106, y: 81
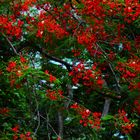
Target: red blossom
x: 15, y: 137
x: 46, y: 72
x: 11, y: 66
x: 12, y: 82
x: 1, y: 72
x: 22, y: 59
x: 54, y: 95
x: 59, y: 138
x: 137, y: 105
x: 4, y: 111
x: 25, y: 137
x: 52, y: 78
x: 127, y: 128
x: 125, y: 124
x: 96, y: 114
x: 22, y: 136
x: 100, y: 82
x: 74, y: 106
x: 15, y: 129
x: 28, y: 134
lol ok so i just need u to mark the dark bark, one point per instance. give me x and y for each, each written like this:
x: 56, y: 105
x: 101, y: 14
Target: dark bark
x: 60, y: 124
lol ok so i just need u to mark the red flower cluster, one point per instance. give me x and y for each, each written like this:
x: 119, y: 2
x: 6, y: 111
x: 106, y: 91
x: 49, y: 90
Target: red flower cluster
x: 87, y: 117
x: 4, y: 111
x: 85, y: 114
x: 137, y: 104
x: 129, y: 70
x: 16, y: 69
x: 88, y: 77
x: 93, y: 7
x: 49, y: 25
x: 93, y: 122
x: 11, y: 66
x: 51, y: 77
x: 16, y: 136
x: 15, y: 129
x: 26, y: 136
x: 76, y: 52
x: 51, y: 94
x: 1, y: 72
x: 10, y: 26
x: 131, y: 10
x: 23, y: 6
x: 54, y: 95
x: 123, y: 122
x: 97, y: 120
x: 22, y: 59
x: 74, y: 106
x: 86, y: 39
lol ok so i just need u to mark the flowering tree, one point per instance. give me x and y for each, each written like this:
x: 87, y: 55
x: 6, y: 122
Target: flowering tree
x: 69, y: 69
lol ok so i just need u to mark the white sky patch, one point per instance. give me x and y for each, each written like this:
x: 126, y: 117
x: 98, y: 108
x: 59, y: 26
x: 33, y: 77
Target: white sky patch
x: 57, y: 63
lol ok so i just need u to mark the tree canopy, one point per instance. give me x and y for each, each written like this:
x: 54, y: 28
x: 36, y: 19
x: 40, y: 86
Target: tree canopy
x: 69, y: 69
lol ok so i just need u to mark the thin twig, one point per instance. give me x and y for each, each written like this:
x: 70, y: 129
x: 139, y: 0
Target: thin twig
x: 110, y: 65
x: 11, y: 45
x: 96, y: 51
x: 38, y: 125
x: 37, y: 105
x: 60, y: 124
x: 50, y: 125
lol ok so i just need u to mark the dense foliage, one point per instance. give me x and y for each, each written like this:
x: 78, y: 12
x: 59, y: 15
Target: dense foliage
x: 69, y: 69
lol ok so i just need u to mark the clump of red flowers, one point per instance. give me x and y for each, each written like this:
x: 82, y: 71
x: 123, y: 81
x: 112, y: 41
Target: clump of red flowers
x: 4, y: 111
x: 137, y: 105
x: 88, y: 77
x: 130, y: 70
x: 123, y: 122
x: 26, y: 136
x: 17, y: 135
x: 16, y: 68
x: 11, y: 66
x: 15, y: 129
x: 87, y: 117
x: 54, y: 95
x: 51, y: 77
x: 48, y: 24
x: 10, y: 26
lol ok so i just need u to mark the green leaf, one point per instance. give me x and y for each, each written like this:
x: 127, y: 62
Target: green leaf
x: 107, y: 117
x: 129, y: 137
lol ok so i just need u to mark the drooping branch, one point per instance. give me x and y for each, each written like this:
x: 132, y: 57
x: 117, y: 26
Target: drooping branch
x: 10, y: 44
x: 68, y: 66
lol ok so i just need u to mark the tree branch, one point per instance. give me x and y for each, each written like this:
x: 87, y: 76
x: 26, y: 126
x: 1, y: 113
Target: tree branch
x: 68, y: 66
x: 70, y: 95
x: 60, y: 124
x: 117, y: 89
x: 110, y: 66
x: 106, y: 106
x: 50, y: 125
x: 11, y: 45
